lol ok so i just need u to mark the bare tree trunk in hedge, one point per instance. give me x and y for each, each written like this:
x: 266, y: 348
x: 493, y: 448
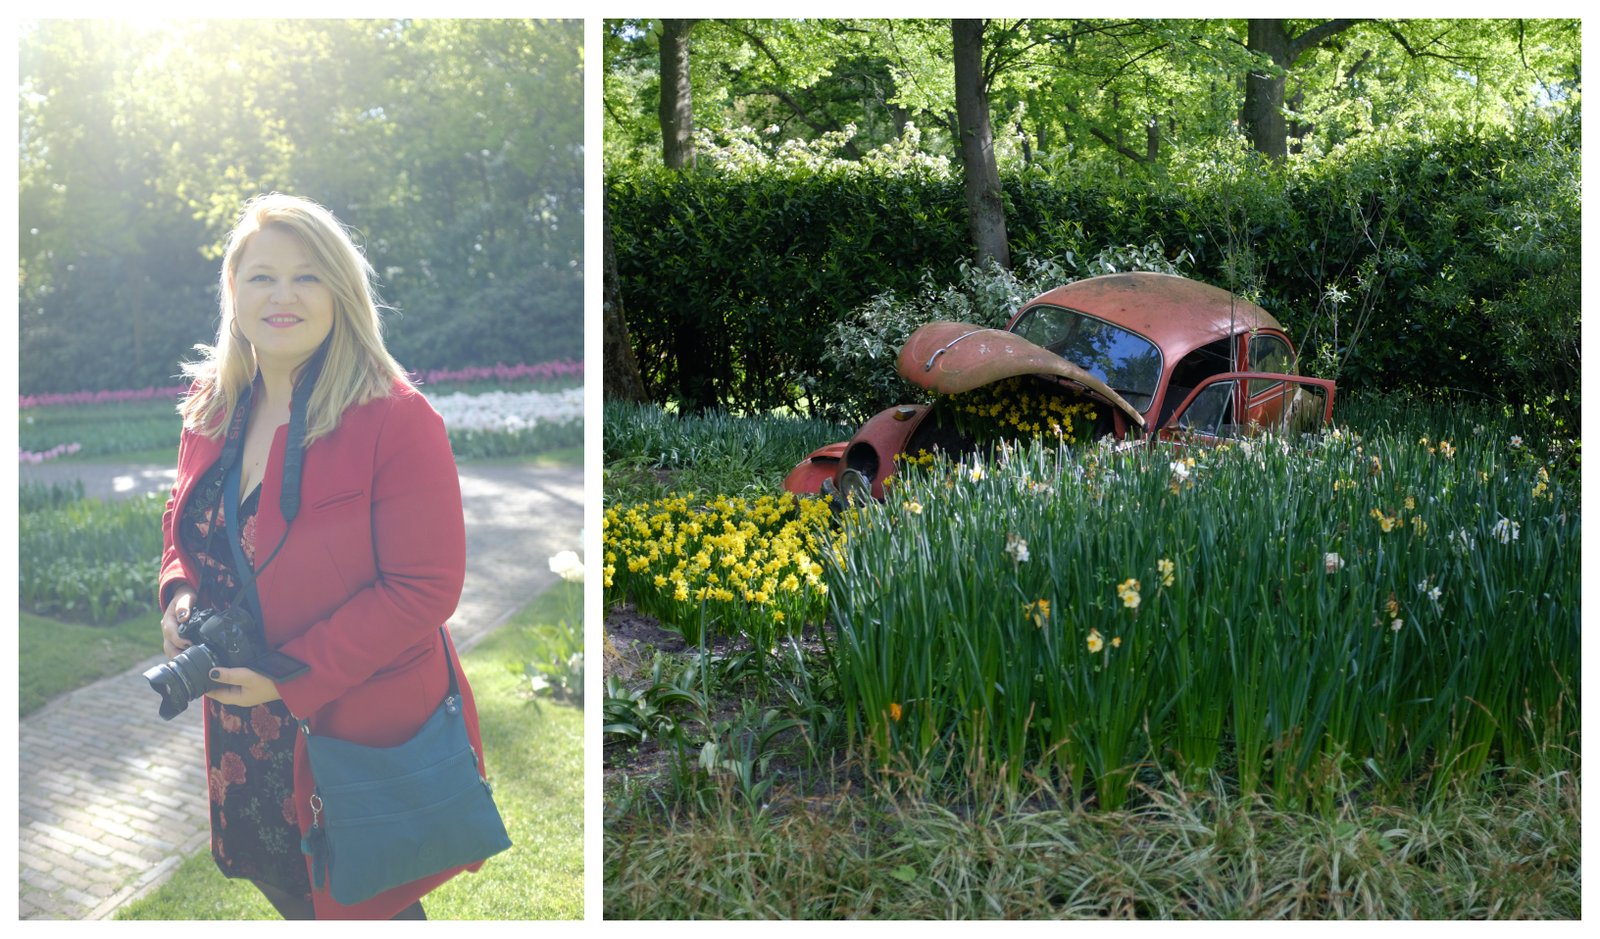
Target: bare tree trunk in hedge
x: 677, y: 98
x: 692, y: 356
x: 986, y: 210
x: 620, y: 371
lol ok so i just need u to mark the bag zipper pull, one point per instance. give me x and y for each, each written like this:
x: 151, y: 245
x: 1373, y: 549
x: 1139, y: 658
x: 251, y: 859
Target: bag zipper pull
x: 315, y: 844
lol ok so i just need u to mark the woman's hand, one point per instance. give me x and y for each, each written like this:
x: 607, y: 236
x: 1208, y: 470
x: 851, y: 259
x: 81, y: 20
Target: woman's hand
x: 242, y: 687
x: 178, y: 610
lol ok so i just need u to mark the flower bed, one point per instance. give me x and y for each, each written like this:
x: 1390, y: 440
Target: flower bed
x: 87, y: 560
x: 101, y: 425
x: 166, y: 393
x: 499, y: 372
x: 539, y: 371
x: 60, y: 449
x: 508, y: 412
x: 730, y: 566
x: 1361, y: 613
x: 500, y: 423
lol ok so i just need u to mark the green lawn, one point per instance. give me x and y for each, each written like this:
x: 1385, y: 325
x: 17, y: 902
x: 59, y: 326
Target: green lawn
x: 535, y: 757
x: 58, y: 657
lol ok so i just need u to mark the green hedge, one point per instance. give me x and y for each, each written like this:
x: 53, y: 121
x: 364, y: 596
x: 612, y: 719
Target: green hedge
x: 741, y: 277
x: 1464, y: 255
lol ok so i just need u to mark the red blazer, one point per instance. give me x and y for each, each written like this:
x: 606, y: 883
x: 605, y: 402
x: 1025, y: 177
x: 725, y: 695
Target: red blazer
x: 372, y: 567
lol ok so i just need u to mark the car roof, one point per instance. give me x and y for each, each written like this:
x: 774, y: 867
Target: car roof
x: 1176, y: 313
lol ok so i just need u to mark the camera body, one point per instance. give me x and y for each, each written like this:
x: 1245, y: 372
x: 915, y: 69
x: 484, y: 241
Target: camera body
x: 227, y: 639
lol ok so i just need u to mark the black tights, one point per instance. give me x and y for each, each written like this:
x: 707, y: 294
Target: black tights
x: 290, y: 906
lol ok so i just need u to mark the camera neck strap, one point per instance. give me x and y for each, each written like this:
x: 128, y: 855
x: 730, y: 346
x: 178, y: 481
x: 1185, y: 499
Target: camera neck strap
x: 289, y: 494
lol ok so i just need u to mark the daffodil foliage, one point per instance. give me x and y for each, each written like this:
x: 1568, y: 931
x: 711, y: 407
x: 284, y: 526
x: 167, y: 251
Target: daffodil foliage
x: 1303, y: 617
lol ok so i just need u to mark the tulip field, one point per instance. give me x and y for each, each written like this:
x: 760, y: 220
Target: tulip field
x: 86, y: 560
x: 514, y: 410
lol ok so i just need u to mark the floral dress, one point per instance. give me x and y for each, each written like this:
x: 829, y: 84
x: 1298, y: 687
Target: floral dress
x: 249, y: 750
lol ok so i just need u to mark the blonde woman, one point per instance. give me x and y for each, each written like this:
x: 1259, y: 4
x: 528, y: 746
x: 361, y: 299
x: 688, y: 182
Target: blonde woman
x: 353, y: 587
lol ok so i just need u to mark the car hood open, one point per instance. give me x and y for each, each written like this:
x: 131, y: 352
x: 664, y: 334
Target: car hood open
x: 950, y: 358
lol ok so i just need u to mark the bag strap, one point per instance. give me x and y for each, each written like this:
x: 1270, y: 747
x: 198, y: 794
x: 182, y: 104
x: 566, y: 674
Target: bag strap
x: 450, y: 662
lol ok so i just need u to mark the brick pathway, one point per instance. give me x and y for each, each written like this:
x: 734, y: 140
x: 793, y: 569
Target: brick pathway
x: 112, y: 798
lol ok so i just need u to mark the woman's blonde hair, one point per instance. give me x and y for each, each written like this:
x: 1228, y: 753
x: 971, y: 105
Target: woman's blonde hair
x: 356, y: 368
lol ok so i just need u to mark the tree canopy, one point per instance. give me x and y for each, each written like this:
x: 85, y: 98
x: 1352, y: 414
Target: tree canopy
x: 1095, y: 95
x: 454, y: 148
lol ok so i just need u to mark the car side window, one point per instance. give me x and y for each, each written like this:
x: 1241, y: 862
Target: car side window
x: 1211, y: 412
x: 1269, y: 354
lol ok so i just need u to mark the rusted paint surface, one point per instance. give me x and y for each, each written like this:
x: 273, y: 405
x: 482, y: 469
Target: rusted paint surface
x: 1175, y: 313
x: 807, y: 477
x: 950, y: 358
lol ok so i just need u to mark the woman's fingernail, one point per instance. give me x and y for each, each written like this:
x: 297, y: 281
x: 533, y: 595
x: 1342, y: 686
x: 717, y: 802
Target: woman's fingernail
x: 215, y: 673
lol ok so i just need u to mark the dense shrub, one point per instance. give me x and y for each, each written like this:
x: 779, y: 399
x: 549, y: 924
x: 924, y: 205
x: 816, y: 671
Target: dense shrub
x: 532, y: 315
x: 1417, y: 263
x: 731, y: 283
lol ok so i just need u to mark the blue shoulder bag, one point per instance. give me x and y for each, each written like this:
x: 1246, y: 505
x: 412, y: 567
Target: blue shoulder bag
x: 385, y: 816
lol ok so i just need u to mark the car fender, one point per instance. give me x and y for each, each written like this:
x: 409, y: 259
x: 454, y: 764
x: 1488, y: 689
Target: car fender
x: 808, y: 475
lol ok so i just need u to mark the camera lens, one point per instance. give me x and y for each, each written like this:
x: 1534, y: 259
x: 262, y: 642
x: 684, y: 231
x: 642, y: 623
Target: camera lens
x: 181, y: 680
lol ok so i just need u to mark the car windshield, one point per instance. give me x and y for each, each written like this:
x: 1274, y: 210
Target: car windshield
x: 1126, y: 361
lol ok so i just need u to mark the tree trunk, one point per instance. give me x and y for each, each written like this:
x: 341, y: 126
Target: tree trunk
x: 1263, y: 115
x: 986, y: 211
x: 619, y: 370
x: 677, y: 98
x: 691, y: 358
x: 1263, y: 90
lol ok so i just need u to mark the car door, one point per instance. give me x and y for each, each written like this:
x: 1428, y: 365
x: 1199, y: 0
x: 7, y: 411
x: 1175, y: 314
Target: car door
x: 1222, y: 407
x: 1267, y: 400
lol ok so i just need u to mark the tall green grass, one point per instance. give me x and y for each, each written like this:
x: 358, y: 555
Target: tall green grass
x: 1363, y: 613
x: 1253, y: 739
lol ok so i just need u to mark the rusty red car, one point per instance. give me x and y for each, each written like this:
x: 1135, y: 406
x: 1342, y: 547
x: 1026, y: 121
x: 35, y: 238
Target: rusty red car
x: 1151, y: 359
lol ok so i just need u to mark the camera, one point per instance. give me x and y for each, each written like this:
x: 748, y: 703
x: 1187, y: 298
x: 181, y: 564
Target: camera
x: 226, y: 639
